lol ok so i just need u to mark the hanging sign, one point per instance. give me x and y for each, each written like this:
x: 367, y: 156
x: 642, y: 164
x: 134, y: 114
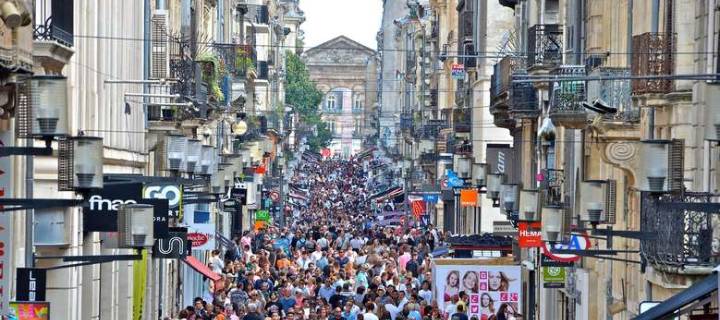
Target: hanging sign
x: 554, y: 277
x: 31, y: 284
x: 458, y: 71
x: 262, y: 215
x: 468, y: 197
x: 529, y: 235
x: 431, y: 198
x: 174, y: 246
x: 576, y: 242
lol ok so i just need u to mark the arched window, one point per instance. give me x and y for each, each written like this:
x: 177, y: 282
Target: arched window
x: 330, y: 102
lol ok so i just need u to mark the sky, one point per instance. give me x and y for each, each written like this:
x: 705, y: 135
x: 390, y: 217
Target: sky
x: 326, y: 19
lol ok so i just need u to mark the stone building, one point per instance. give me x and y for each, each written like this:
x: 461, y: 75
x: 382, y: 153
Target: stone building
x: 339, y: 69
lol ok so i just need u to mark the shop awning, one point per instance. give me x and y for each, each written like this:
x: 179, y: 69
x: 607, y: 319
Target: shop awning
x: 697, y: 292
x: 201, y: 268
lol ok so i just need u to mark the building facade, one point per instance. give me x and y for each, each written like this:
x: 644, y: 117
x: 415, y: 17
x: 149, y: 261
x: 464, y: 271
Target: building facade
x: 339, y: 69
x: 208, y: 72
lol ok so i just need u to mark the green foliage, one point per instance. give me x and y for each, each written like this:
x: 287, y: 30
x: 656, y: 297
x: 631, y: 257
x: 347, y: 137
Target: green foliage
x: 243, y: 61
x: 303, y: 95
x: 213, y: 70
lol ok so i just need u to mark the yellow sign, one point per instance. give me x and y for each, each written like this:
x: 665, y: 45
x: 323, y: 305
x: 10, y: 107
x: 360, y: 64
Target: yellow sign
x: 139, y: 285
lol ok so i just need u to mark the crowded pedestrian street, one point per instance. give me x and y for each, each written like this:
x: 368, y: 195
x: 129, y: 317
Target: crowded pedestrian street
x: 332, y: 260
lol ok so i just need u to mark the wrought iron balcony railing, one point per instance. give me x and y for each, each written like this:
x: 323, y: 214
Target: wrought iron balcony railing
x: 566, y: 107
x: 551, y: 186
x: 237, y: 59
x: 262, y: 70
x: 653, y: 55
x: 683, y: 224
x: 523, y: 98
x: 545, y: 45
x: 503, y: 73
x: 54, y: 21
x: 614, y: 92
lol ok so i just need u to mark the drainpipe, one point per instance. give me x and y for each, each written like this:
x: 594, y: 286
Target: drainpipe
x: 654, y: 27
x: 709, y: 48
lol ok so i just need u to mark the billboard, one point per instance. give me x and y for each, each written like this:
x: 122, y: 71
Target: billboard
x: 30, y: 310
x: 493, y: 290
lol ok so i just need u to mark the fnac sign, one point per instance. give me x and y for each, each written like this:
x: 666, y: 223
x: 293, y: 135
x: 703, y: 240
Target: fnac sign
x: 577, y: 242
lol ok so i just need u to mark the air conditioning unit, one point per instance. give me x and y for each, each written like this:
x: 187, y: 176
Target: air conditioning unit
x: 135, y: 226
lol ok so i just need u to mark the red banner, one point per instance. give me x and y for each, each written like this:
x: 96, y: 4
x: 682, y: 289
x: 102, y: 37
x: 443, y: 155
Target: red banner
x: 529, y: 235
x: 418, y: 208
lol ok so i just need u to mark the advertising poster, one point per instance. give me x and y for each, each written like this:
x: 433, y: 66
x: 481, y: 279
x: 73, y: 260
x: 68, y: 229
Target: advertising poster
x: 201, y: 227
x: 494, y: 291
x: 30, y: 310
x: 139, y: 285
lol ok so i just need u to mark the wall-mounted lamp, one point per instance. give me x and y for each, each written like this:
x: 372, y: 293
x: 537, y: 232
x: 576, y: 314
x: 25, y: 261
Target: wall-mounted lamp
x: 529, y: 203
x: 552, y: 223
x: 175, y: 144
x: 494, y: 182
x: 479, y: 174
x: 653, y: 173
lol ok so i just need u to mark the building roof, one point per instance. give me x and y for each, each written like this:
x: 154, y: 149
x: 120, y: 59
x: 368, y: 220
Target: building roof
x: 340, y: 42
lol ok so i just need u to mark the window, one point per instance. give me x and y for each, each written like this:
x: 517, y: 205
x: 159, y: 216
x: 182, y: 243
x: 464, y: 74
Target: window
x: 357, y: 102
x: 330, y: 102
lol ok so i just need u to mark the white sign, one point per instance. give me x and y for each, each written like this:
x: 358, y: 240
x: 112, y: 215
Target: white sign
x: 201, y: 227
x: 490, y: 288
x: 6, y: 223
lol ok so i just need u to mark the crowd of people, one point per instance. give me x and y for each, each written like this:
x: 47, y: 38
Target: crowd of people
x: 330, y: 261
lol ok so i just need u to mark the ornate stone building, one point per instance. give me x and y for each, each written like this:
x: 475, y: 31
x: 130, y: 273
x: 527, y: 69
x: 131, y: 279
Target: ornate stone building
x: 339, y: 69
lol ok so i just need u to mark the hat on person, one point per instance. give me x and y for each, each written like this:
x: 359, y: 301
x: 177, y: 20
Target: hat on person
x: 381, y: 288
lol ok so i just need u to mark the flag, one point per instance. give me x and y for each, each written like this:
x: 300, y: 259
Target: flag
x: 418, y: 208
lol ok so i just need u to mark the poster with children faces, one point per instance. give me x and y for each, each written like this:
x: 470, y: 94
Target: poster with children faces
x: 491, y: 291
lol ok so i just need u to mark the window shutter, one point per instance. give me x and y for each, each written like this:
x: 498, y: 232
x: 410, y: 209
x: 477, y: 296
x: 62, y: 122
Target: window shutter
x: 610, y: 202
x: 676, y: 165
x: 159, y: 59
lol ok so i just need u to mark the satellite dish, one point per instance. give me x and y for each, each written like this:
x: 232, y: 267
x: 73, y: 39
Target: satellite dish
x: 240, y: 127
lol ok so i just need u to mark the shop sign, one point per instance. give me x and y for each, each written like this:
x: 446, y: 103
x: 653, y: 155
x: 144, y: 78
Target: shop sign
x: 576, y: 242
x: 529, y: 235
x: 468, y: 197
x: 554, y: 277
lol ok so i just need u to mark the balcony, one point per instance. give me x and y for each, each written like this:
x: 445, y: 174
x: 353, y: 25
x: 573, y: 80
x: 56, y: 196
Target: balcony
x: 462, y: 120
x: 466, y: 26
x: 683, y: 224
x: 463, y: 148
x: 434, y: 98
x: 566, y: 107
x: 551, y: 186
x: 259, y: 14
x: 430, y: 130
x: 545, y: 45
x: 510, y: 100
x: 615, y: 93
x: 653, y: 55
x: 53, y: 33
x: 237, y: 59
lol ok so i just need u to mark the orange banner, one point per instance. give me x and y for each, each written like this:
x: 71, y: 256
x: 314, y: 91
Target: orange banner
x: 468, y: 197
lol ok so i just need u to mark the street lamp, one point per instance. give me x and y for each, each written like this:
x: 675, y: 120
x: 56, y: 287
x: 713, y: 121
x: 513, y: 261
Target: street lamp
x: 463, y: 167
x: 529, y: 206
x: 494, y: 182
x: 193, y: 153
x: 207, y: 161
x: 479, y: 174
x: 87, y: 163
x: 175, y: 145
x: 509, y: 194
x: 48, y: 107
x: 653, y: 172
x: 592, y: 204
x: 135, y: 226
x: 552, y: 222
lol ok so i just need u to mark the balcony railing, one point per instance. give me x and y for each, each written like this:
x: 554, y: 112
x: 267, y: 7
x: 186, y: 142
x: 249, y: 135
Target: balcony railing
x: 428, y: 158
x: 54, y: 21
x: 545, y: 45
x: 683, y: 225
x: 615, y: 92
x: 462, y: 119
x: 566, y: 107
x: 551, y: 186
x: 503, y: 73
x: 653, y: 55
x: 523, y: 98
x: 237, y: 59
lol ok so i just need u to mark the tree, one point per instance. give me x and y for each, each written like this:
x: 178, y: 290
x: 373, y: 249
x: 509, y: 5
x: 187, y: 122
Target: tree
x: 304, y: 96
